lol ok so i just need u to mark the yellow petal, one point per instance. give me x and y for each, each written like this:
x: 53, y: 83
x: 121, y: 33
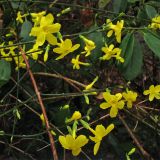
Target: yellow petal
x: 81, y: 141
x: 94, y: 139
x: 120, y: 104
x: 35, y: 31
x: 113, y: 112
x: 96, y: 147
x: 54, y: 28
x: 58, y: 50
x: 63, y: 142
x: 41, y: 39
x: 76, y: 151
x: 47, y: 20
x: 51, y: 39
x: 75, y: 47
x: 105, y: 105
x: 151, y: 97
x: 146, y: 92
x: 107, y: 96
x: 100, y: 131
x: 109, y: 128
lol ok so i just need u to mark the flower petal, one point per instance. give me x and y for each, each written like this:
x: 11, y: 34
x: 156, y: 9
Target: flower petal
x: 113, y: 112
x: 81, y: 140
x: 105, y: 105
x: 109, y: 128
x: 51, y: 39
x: 76, y: 151
x: 41, y: 39
x: 100, y: 131
x: 63, y: 142
x: 75, y: 47
x: 96, y: 147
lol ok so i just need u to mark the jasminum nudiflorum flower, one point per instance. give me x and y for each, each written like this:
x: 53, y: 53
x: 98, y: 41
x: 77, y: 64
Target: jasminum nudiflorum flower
x: 112, y: 101
x: 36, y: 17
x: 116, y: 29
x: 73, y: 144
x: 153, y: 91
x: 111, y: 52
x: 89, y: 46
x: 20, y: 17
x: 155, y: 23
x: 76, y: 63
x: 129, y: 97
x: 34, y: 52
x: 45, y: 30
x: 64, y: 48
x: 76, y: 115
x: 99, y: 132
x: 5, y: 55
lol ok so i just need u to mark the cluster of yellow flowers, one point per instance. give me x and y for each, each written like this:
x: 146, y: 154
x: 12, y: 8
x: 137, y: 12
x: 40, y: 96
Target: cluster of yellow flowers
x: 9, y: 54
x: 45, y: 30
x: 75, y: 143
x: 116, y: 102
x: 155, y: 23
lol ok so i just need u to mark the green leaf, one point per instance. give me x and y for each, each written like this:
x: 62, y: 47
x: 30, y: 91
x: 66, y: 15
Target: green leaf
x: 119, y: 5
x: 142, y: 15
x: 103, y: 3
x: 153, y: 42
x: 25, y: 30
x: 133, y: 1
x: 5, y: 72
x: 151, y: 11
x: 127, y: 48
x: 133, y: 57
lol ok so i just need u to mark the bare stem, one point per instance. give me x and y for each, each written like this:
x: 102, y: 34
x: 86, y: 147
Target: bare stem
x: 53, y: 148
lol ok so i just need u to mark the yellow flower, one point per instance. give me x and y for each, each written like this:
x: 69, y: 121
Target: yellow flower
x: 4, y: 54
x: 88, y: 87
x: 111, y: 52
x: 154, y: 92
x: 90, y: 45
x: 130, y: 97
x: 76, y: 115
x: 77, y: 63
x: 45, y: 30
x: 155, y: 23
x: 113, y: 101
x: 19, y: 17
x: 99, y: 133
x: 35, y: 51
x: 74, y: 144
x: 36, y: 17
x: 65, y: 47
x: 116, y: 29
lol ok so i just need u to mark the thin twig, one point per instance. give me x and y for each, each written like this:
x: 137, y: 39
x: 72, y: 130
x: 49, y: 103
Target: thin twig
x: 142, y: 150
x: 53, y: 148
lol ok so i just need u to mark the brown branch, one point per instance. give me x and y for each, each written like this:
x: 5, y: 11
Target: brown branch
x: 144, y: 152
x: 61, y: 77
x: 53, y: 148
